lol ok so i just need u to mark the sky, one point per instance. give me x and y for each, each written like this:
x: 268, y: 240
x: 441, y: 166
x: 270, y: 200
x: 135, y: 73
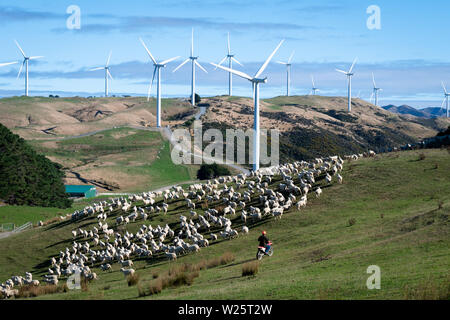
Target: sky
x: 408, y: 53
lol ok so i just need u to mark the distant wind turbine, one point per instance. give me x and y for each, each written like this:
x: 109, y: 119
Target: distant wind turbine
x: 313, y: 89
x: 446, y: 95
x: 26, y: 59
x: 194, y: 63
x: 256, y: 81
x: 288, y: 72
x: 349, y: 75
x: 375, y: 91
x: 107, y: 74
x: 230, y: 58
x: 157, y: 70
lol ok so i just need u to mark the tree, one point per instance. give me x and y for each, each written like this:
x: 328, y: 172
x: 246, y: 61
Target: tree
x: 211, y: 171
x: 197, y: 99
x: 27, y: 178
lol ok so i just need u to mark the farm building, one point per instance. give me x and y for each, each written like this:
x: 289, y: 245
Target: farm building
x: 81, y: 191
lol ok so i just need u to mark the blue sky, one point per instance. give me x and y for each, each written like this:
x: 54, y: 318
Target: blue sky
x: 409, y: 55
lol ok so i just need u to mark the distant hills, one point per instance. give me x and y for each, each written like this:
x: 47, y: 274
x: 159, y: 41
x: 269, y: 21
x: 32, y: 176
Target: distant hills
x: 429, y: 113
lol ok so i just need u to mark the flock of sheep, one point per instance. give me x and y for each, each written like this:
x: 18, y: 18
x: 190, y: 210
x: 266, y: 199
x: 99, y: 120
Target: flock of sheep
x: 109, y: 242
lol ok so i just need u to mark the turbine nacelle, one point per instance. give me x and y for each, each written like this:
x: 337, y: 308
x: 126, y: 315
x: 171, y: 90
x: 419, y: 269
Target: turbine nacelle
x: 259, y: 80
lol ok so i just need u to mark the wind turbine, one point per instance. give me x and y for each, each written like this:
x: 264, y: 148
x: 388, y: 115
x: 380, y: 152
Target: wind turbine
x: 25, y: 62
x: 375, y: 91
x: 314, y: 89
x: 230, y: 58
x: 256, y: 81
x: 157, y: 71
x: 194, y: 63
x: 349, y: 75
x: 446, y: 95
x: 107, y: 74
x: 288, y: 72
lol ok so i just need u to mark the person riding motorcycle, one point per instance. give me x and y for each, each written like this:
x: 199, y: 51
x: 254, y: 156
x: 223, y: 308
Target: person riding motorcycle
x: 264, y: 242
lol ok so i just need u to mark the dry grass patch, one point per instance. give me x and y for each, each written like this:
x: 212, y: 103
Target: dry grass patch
x: 250, y: 268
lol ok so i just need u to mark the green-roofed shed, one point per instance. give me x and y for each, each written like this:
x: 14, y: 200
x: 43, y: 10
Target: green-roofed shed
x: 81, y: 191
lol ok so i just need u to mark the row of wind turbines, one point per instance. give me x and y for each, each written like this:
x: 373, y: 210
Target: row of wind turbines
x: 255, y: 80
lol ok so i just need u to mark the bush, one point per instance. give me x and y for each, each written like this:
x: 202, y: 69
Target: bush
x: 422, y: 157
x: 211, y: 171
x: 250, y: 268
x: 133, y: 279
x: 351, y: 222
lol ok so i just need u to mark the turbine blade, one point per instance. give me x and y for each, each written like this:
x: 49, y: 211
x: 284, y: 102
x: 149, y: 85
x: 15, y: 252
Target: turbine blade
x: 443, y: 86
x: 371, y: 97
x: 109, y: 58
x: 36, y: 57
x: 351, y: 68
x: 198, y: 64
x: 169, y: 60
x: 312, y: 79
x: 292, y: 55
x: 263, y: 67
x: 238, y: 73
x: 20, y: 70
x: 229, y: 47
x: 182, y: 64
x: 342, y: 71
x: 281, y: 62
x: 221, y: 61
x: 148, y: 51
x: 373, y: 80
x: 99, y: 68
x: 310, y: 93
x: 235, y: 60
x: 442, y: 105
x: 109, y: 74
x: 7, y: 64
x: 151, y: 84
x: 18, y: 46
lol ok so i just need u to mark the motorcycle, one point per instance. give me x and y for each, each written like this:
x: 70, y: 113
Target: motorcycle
x: 262, y: 251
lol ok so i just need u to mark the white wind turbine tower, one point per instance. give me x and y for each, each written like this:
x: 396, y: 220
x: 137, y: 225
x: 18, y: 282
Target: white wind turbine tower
x: 375, y: 91
x: 446, y: 95
x: 230, y: 58
x: 313, y: 89
x: 157, y: 71
x: 288, y: 72
x: 25, y: 62
x: 349, y: 75
x: 107, y: 74
x: 194, y: 63
x: 256, y: 81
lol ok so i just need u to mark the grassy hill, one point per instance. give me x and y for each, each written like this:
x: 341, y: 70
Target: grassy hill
x: 391, y: 211
x: 32, y: 117
x: 311, y: 126
x: 122, y: 159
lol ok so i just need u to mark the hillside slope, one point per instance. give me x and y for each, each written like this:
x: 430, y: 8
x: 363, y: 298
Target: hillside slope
x: 312, y: 126
x: 41, y: 118
x: 400, y: 203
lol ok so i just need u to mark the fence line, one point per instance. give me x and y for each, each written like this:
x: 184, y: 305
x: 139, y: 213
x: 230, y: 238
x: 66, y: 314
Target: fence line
x: 24, y: 227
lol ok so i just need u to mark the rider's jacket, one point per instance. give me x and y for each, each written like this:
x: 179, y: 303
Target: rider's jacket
x: 263, y: 241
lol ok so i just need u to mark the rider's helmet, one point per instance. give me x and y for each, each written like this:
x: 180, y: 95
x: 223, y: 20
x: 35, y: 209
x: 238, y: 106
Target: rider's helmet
x: 264, y: 233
